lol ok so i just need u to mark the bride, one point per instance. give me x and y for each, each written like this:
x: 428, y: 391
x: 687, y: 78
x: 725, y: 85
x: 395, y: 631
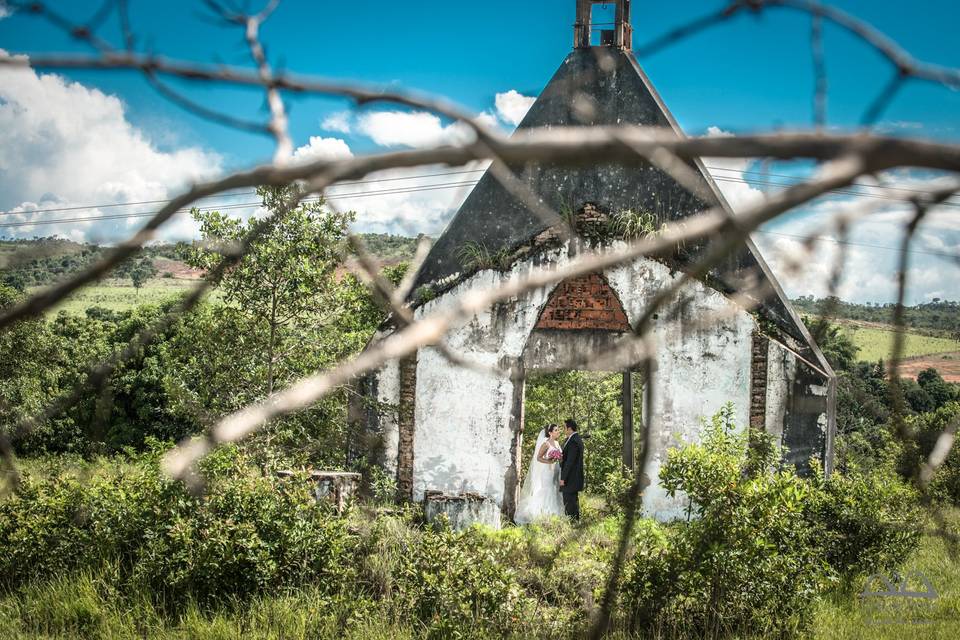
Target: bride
x: 540, y: 495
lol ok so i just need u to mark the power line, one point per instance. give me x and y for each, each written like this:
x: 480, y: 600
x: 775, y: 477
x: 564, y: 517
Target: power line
x: 764, y: 174
x: 919, y: 252
x: 235, y: 193
x: 245, y: 205
x: 839, y: 191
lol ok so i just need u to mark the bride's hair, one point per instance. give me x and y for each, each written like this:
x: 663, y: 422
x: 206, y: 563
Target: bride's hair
x: 547, y: 430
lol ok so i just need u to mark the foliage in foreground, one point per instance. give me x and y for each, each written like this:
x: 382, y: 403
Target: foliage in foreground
x: 764, y: 544
x: 762, y: 549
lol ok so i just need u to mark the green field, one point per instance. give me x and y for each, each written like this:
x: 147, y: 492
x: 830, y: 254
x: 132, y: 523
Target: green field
x: 120, y: 295
x: 876, y: 342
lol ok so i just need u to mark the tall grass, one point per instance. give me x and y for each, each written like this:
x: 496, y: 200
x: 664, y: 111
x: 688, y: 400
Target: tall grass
x: 84, y: 605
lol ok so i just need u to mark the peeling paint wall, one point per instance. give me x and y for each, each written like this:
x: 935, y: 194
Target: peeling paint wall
x: 805, y: 423
x: 463, y: 425
x: 703, y: 361
x: 387, y: 380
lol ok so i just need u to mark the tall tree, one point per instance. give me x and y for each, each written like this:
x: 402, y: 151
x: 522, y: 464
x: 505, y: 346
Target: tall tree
x: 286, y: 278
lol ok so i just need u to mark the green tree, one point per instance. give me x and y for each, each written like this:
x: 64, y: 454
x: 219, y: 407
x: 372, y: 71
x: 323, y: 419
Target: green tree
x: 837, y: 346
x: 940, y: 391
x: 139, y: 275
x: 285, y: 278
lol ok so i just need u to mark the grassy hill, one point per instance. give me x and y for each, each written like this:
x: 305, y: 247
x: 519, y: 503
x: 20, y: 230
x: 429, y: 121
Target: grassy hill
x: 932, y: 336
x: 875, y: 341
x: 34, y: 264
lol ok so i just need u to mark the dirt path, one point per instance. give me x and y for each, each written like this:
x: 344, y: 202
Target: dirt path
x: 948, y: 364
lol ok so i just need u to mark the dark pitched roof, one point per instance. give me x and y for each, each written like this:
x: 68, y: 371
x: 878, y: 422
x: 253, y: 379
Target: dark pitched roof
x: 599, y: 86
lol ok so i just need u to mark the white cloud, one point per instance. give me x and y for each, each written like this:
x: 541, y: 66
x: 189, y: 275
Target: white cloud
x: 411, y: 129
x: 512, y: 106
x: 319, y: 148
x: 871, y: 244
x: 65, y: 144
x: 488, y: 120
x: 338, y: 122
x: 729, y: 177
x: 404, y: 201
x: 407, y: 201
x: 872, y: 255
x: 5, y: 10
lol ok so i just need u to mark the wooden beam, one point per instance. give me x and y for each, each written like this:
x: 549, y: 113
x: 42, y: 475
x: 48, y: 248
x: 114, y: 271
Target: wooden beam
x: 626, y: 401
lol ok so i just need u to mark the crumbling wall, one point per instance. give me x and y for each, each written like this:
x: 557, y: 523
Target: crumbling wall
x: 381, y: 409
x: 805, y: 427
x: 798, y: 408
x: 465, y: 421
x: 703, y: 361
x: 781, y: 370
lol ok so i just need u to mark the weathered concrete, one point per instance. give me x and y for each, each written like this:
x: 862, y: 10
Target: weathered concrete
x: 465, y: 424
x: 781, y: 370
x: 798, y: 412
x: 600, y: 86
x: 702, y: 362
x: 461, y: 510
x: 458, y: 433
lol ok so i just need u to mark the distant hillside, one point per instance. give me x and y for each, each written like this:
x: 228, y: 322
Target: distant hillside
x: 390, y: 248
x: 940, y: 317
x: 43, y: 261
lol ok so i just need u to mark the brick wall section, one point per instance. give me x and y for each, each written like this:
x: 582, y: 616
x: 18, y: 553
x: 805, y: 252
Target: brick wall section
x: 758, y: 382
x: 585, y: 302
x: 406, y: 423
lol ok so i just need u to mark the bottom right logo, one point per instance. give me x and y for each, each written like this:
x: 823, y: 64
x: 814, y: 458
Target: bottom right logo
x: 899, y: 599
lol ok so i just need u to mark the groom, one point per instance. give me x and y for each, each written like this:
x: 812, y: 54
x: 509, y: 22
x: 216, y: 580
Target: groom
x: 571, y: 470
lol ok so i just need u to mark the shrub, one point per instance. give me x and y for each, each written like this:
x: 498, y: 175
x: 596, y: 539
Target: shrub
x: 862, y: 523
x: 762, y: 542
x: 924, y: 431
x: 244, y: 535
x: 452, y: 584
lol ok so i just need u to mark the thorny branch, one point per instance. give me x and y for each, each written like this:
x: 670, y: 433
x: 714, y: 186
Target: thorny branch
x: 846, y: 158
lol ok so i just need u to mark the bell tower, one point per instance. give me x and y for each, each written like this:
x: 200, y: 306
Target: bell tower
x: 618, y: 34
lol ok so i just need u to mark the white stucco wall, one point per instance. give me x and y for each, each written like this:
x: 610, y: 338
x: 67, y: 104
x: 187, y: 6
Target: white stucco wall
x: 702, y: 362
x: 388, y: 396
x: 462, y: 437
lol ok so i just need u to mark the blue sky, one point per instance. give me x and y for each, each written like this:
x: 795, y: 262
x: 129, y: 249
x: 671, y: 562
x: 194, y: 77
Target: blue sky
x: 751, y: 73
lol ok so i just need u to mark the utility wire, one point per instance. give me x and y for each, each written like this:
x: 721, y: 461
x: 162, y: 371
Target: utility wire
x: 850, y: 243
x: 751, y: 181
x: 247, y: 205
x: 236, y: 193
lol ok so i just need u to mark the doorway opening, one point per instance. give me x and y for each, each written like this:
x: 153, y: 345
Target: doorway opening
x: 607, y: 407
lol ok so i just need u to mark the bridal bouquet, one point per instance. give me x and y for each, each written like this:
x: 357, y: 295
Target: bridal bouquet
x: 554, y: 455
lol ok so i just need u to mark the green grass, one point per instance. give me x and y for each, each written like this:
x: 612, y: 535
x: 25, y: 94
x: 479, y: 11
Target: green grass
x: 85, y: 606
x: 120, y: 295
x: 846, y: 618
x: 876, y: 343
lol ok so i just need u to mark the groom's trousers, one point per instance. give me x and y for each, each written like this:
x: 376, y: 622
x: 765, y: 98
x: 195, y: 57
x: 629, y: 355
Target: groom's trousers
x: 571, y: 504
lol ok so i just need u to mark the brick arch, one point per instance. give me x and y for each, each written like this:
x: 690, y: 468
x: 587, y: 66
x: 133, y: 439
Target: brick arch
x: 585, y: 302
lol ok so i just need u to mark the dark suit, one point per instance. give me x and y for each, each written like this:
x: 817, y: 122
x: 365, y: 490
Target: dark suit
x: 571, y: 473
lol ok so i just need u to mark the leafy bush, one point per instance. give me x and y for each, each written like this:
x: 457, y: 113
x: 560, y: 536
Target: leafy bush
x: 451, y: 583
x: 862, y: 523
x: 763, y: 543
x: 924, y: 431
x: 245, y: 535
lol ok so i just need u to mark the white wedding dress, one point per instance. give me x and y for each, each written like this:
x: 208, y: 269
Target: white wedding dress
x: 540, y: 495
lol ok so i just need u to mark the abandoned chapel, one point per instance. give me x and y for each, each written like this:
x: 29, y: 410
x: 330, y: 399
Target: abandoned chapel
x: 452, y: 434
